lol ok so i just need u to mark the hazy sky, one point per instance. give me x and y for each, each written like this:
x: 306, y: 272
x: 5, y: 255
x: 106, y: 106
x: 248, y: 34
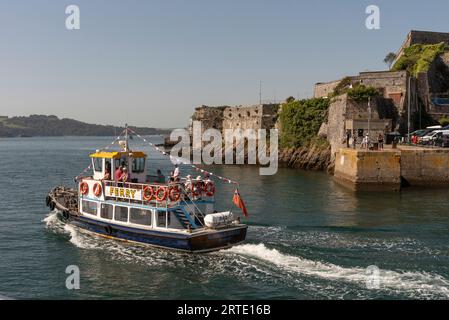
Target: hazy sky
x: 150, y: 63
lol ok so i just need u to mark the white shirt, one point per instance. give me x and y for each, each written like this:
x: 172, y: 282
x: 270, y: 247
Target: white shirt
x: 176, y: 172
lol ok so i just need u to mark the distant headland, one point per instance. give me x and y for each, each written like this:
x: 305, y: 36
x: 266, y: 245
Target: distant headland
x: 43, y: 125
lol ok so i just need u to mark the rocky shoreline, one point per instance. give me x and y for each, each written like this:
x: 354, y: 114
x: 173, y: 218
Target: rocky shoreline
x: 308, y: 158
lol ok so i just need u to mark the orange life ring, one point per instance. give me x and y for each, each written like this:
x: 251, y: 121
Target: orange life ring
x: 174, y: 194
x: 147, y: 197
x: 97, y: 189
x: 160, y: 197
x: 84, y: 188
x: 209, y: 189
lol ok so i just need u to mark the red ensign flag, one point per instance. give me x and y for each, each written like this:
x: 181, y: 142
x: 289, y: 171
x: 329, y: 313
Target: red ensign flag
x: 238, y: 201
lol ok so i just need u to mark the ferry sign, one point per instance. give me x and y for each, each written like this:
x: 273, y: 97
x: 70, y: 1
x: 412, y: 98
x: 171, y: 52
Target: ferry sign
x: 126, y: 193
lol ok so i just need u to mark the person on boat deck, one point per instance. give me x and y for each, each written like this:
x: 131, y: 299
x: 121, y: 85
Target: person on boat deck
x: 160, y: 177
x: 188, y: 184
x: 176, y: 173
x: 107, y: 172
x: 125, y: 176
x: 199, y: 184
x: 119, y: 173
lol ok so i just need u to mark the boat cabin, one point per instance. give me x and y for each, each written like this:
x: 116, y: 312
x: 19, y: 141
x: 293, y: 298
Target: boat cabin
x: 134, y: 161
x: 138, y: 202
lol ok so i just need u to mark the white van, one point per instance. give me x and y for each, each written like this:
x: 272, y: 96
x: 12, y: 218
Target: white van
x: 431, y: 136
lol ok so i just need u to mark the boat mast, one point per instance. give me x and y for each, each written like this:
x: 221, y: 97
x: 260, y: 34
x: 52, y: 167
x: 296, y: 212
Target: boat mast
x: 126, y: 137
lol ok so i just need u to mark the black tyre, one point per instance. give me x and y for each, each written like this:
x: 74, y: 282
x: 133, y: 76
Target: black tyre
x: 47, y: 201
x: 108, y: 230
x: 66, y: 214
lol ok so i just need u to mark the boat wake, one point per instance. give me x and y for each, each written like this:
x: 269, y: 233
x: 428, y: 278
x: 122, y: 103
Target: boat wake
x: 414, y: 283
x: 77, y: 237
x: 266, y: 265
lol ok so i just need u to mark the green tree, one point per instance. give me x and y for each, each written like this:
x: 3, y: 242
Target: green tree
x: 389, y: 59
x: 300, y: 121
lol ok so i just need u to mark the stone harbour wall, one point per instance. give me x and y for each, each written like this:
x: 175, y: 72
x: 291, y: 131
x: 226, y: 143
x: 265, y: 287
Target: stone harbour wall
x: 368, y: 171
x: 393, y: 169
x: 425, y: 167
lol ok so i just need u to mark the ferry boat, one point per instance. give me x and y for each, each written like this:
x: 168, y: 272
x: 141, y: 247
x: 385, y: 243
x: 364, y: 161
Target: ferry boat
x: 177, y: 215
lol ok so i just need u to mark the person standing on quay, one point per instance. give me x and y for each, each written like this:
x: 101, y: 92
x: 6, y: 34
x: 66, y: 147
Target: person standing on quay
x: 365, y: 142
x: 348, y: 136
x: 380, y: 140
x: 354, y: 139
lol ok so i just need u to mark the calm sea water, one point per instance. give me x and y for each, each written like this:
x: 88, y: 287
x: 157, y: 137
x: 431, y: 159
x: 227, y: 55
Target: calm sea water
x: 308, y: 238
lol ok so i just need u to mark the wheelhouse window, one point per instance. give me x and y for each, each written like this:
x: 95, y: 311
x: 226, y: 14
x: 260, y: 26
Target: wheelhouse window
x: 140, y: 216
x: 138, y: 165
x: 90, y: 207
x: 106, y: 211
x: 121, y: 214
x: 162, y: 219
x: 98, y: 164
x: 121, y: 161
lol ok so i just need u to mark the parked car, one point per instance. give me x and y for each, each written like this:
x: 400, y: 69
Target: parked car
x: 442, y: 140
x: 420, y: 133
x: 431, y: 137
x: 427, y: 139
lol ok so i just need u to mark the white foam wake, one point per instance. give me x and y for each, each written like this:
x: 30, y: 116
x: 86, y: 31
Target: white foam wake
x: 417, y: 283
x: 77, y: 237
x: 53, y: 223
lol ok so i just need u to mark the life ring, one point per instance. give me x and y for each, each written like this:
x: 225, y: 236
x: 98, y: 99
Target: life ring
x: 47, y: 201
x: 147, y: 197
x: 97, y: 189
x: 174, y: 194
x: 160, y: 197
x: 209, y: 189
x: 84, y: 188
x: 52, y: 205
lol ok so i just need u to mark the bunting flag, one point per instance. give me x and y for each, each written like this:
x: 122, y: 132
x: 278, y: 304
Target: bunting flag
x: 238, y: 201
x: 183, y: 161
x: 104, y: 148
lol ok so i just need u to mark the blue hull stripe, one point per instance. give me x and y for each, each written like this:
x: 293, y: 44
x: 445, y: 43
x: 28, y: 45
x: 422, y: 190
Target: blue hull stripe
x: 188, y: 242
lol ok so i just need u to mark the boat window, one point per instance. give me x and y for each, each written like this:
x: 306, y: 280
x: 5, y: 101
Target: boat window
x: 106, y: 211
x: 140, y: 216
x: 138, y: 165
x: 98, y: 164
x: 90, y: 207
x: 161, y: 219
x: 120, y: 161
x: 121, y: 214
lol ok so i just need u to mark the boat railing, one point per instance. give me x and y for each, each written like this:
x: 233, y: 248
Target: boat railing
x: 160, y: 195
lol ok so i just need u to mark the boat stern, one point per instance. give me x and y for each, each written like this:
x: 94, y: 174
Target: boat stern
x: 213, y: 240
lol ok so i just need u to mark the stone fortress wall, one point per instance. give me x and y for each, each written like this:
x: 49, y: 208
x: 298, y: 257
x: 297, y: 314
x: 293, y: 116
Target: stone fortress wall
x: 263, y: 116
x: 421, y: 37
x: 324, y: 89
x: 391, y: 107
